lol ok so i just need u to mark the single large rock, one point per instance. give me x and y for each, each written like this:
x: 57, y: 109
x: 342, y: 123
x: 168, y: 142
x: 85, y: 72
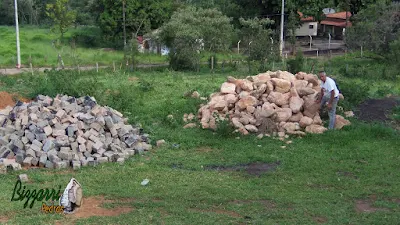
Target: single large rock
x: 290, y: 127
x: 295, y: 104
x: 296, y: 117
x: 304, y: 91
x: 261, y: 78
x: 281, y: 85
x: 283, y: 114
x: 231, y: 98
x: 228, y: 88
x: 300, y: 84
x: 245, y: 85
x: 315, y: 129
x: 341, y: 122
x: 317, y: 119
x: 305, y: 121
x: 251, y: 128
x: 247, y: 101
x: 279, y: 98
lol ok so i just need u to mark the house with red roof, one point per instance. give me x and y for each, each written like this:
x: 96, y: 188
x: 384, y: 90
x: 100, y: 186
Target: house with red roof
x: 333, y: 23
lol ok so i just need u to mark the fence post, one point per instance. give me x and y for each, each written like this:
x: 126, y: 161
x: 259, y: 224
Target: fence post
x: 97, y: 67
x: 30, y: 65
x: 212, y: 63
x: 361, y: 51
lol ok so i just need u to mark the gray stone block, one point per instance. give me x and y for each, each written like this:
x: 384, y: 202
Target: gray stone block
x: 76, y: 165
x: 23, y: 178
x: 18, y: 144
x: 42, y: 160
x: 30, y: 152
x: 61, y: 165
x: 102, y: 159
x: 27, y: 161
x: 19, y: 158
x: 48, y: 145
x: 49, y: 164
x: 41, y: 136
x: 34, y: 161
x: 53, y: 158
x: 84, y: 162
x: 120, y: 160
x: 42, y: 123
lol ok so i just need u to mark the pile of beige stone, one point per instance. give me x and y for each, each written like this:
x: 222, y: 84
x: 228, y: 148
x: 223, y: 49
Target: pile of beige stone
x: 64, y: 132
x: 271, y: 102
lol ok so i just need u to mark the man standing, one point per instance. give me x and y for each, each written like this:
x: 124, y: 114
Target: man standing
x: 330, y: 95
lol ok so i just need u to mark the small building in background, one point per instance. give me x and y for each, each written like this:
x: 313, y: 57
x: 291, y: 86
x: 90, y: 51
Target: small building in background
x: 336, y: 24
x: 333, y: 23
x: 308, y: 26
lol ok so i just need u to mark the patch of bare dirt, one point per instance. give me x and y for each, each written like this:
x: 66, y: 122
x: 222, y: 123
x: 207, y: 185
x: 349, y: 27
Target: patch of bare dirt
x: 4, y: 219
x: 133, y: 79
x: 219, y: 211
x: 320, y: 220
x: 365, y: 206
x: 267, y: 203
x: 204, y: 149
x: 255, y: 168
x: 377, y: 109
x: 347, y: 174
x: 8, y: 99
x: 92, y: 206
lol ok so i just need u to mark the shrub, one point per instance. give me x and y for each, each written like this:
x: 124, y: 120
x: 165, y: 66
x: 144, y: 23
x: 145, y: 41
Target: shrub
x: 353, y: 93
x: 296, y: 65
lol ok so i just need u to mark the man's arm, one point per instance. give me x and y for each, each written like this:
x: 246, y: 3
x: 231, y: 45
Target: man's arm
x: 319, y: 99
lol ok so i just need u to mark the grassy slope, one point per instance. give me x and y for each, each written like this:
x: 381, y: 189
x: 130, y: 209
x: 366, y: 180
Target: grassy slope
x: 37, y: 44
x: 320, y: 176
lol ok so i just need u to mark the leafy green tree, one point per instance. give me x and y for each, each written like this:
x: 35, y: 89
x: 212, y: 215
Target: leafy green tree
x: 192, y: 30
x: 62, y: 16
x: 257, y: 33
x: 375, y: 28
x: 141, y: 16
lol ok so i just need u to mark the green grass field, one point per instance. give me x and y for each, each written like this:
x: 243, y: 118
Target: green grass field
x: 320, y: 179
x: 37, y: 44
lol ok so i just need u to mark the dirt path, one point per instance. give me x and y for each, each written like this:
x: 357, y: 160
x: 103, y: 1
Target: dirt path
x: 14, y: 71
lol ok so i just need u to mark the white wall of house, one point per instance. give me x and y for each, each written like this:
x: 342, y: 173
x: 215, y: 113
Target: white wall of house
x: 307, y: 28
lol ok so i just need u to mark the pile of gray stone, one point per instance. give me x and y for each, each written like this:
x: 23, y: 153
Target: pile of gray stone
x: 64, y: 132
x: 268, y: 103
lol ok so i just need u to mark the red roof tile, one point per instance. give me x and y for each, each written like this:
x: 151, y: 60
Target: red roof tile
x: 336, y: 23
x: 305, y: 19
x: 339, y: 15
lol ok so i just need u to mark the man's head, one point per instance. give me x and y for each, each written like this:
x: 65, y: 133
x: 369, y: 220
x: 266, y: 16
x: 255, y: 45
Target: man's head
x: 322, y: 76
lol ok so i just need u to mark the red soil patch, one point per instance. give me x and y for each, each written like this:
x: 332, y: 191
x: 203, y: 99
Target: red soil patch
x: 7, y: 99
x: 363, y: 206
x: 92, y: 207
x: 3, y: 219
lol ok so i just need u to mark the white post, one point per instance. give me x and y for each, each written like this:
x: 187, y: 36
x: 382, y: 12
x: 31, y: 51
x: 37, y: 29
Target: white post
x: 317, y: 53
x: 238, y: 46
x: 17, y: 31
x: 310, y: 41
x: 329, y: 46
x: 361, y: 52
x: 97, y: 67
x: 282, y: 22
x: 272, y: 44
